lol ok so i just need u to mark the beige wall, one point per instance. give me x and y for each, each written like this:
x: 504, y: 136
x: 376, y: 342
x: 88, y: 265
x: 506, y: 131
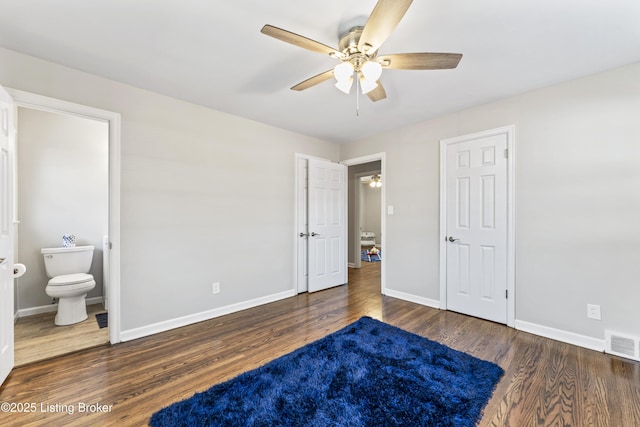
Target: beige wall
x: 577, y: 200
x: 63, y: 188
x: 370, y: 210
x: 201, y: 192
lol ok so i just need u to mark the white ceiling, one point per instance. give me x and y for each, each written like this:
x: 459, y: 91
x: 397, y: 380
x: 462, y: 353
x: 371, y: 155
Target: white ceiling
x: 212, y: 53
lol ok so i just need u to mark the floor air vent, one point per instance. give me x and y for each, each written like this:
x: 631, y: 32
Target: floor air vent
x: 622, y: 345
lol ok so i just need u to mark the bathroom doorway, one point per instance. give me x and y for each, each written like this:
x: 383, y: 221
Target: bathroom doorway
x: 64, y: 185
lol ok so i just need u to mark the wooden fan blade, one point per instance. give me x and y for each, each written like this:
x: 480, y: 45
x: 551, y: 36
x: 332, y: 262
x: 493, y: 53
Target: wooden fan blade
x: 322, y: 77
x: 383, y: 20
x: 298, y: 40
x: 378, y: 93
x: 420, y: 61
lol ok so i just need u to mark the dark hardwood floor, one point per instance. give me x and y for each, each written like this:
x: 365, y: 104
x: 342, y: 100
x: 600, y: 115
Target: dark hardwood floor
x: 547, y: 383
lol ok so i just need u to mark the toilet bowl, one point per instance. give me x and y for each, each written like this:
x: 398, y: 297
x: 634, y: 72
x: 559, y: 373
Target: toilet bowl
x: 68, y: 270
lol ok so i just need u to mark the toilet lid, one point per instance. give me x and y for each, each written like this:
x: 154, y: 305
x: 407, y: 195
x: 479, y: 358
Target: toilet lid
x: 70, y: 279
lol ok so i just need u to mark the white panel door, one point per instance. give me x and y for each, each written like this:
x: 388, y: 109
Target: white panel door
x: 476, y: 227
x: 327, y: 224
x: 7, y: 134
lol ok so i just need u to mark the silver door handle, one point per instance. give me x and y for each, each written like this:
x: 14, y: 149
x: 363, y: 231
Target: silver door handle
x: 313, y: 234
x: 451, y: 239
x: 303, y: 235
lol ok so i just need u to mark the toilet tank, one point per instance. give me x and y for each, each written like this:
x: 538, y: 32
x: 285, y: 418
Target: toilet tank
x: 59, y: 261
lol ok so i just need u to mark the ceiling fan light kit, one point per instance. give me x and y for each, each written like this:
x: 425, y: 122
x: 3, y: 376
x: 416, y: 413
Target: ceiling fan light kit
x: 375, y: 182
x: 367, y: 73
x: 358, y: 52
x: 343, y: 71
x: 345, y: 84
x: 371, y: 70
x: 367, y: 85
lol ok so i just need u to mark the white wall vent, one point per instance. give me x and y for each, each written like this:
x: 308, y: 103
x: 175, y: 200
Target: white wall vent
x: 622, y: 345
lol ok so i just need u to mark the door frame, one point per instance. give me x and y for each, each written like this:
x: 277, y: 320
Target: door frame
x: 357, y: 262
x: 383, y: 202
x: 44, y: 103
x: 509, y: 131
x: 300, y: 201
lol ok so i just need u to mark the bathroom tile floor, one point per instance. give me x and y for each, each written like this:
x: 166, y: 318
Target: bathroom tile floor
x: 38, y: 338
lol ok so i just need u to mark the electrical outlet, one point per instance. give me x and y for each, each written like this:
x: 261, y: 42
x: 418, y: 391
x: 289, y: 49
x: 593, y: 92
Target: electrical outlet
x: 593, y: 311
x: 215, y: 287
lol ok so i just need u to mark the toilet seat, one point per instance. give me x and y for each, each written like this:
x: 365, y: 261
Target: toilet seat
x: 70, y: 279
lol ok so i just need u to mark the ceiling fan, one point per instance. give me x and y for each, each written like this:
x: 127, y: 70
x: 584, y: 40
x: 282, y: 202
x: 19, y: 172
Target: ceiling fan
x: 358, y: 52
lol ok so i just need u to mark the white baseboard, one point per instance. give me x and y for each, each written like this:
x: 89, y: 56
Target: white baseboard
x: 351, y: 265
x: 560, y: 335
x: 95, y: 300
x: 167, y: 325
x: 532, y: 328
x: 412, y: 298
x: 25, y: 312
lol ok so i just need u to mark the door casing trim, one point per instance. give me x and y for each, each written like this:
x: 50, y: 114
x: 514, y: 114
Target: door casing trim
x: 383, y: 202
x: 44, y: 103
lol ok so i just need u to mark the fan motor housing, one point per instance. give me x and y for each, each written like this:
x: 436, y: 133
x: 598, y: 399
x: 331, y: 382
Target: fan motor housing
x: 349, y: 42
x: 349, y: 47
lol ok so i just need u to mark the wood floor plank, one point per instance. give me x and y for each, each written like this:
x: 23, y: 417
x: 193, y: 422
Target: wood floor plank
x: 38, y: 338
x: 545, y: 383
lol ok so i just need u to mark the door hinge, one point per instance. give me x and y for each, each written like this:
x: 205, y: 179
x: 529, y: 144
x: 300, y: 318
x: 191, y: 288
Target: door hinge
x: 506, y: 293
x: 506, y: 153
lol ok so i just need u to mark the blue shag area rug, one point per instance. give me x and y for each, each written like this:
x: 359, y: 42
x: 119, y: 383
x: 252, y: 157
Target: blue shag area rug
x: 371, y: 258
x: 366, y: 374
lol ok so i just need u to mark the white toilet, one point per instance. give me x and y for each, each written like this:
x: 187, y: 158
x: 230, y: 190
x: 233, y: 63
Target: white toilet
x: 68, y: 269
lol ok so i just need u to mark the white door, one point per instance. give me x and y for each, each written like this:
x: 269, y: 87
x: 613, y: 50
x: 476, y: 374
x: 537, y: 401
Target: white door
x: 476, y: 227
x: 327, y: 238
x: 7, y: 133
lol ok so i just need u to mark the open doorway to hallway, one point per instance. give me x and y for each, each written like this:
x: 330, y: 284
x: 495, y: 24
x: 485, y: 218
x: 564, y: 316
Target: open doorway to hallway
x: 366, y: 222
